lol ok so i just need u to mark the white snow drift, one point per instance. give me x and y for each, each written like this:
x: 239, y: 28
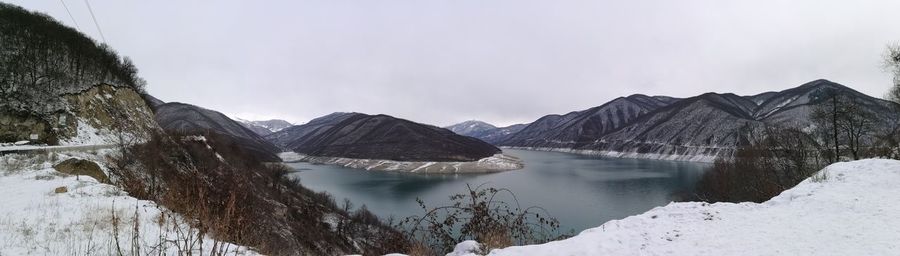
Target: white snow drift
x: 848, y: 208
x: 45, y: 212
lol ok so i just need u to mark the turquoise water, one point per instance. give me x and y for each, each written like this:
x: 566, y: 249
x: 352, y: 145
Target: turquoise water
x: 580, y: 191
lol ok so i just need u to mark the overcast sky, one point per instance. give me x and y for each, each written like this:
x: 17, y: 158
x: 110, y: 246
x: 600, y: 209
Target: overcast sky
x: 501, y: 61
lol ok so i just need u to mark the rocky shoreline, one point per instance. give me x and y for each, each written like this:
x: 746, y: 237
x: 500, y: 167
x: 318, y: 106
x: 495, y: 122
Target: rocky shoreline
x: 699, y: 158
x: 495, y: 163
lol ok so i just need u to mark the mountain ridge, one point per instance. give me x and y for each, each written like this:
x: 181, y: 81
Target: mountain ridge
x: 698, y: 128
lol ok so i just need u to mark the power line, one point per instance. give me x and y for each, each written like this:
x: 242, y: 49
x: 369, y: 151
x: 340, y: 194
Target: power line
x: 70, y: 15
x: 95, y: 20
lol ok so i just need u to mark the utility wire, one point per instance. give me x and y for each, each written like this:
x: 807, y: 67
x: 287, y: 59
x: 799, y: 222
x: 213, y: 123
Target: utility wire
x: 95, y: 20
x: 70, y: 15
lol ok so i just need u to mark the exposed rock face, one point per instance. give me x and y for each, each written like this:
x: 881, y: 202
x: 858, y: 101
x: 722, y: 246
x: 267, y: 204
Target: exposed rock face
x: 699, y: 128
x: 189, y: 119
x: 95, y: 116
x: 24, y: 127
x: 106, y: 111
x: 361, y: 136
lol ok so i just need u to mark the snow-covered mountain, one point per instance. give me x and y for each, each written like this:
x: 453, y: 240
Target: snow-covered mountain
x: 470, y: 127
x: 578, y: 128
x: 264, y: 127
x: 698, y: 128
x: 361, y: 136
x: 484, y: 131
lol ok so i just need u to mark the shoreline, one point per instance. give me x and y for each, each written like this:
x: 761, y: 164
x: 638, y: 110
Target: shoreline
x: 697, y: 158
x: 496, y: 163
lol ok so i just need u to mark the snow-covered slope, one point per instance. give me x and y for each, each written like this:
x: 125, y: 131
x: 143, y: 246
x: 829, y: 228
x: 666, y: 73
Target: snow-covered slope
x: 580, y: 127
x: 45, y: 212
x: 264, y: 127
x: 470, y: 127
x: 846, y: 209
x: 484, y: 131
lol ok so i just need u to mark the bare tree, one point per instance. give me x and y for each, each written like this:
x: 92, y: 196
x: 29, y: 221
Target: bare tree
x: 892, y: 65
x: 857, y: 124
x: 826, y: 117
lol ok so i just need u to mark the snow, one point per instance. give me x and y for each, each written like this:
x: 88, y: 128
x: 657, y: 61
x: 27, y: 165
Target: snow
x: 847, y: 208
x: 36, y: 220
x: 89, y: 135
x: 468, y: 247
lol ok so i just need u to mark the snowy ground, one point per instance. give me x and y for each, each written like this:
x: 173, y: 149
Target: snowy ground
x: 495, y: 163
x: 848, y: 208
x: 37, y: 218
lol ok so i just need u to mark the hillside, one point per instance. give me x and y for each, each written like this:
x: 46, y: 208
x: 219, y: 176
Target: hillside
x: 699, y: 128
x: 575, y: 129
x: 42, y: 60
x: 292, y: 136
x: 189, y: 119
x: 95, y: 166
x: 361, y: 136
x: 845, y: 209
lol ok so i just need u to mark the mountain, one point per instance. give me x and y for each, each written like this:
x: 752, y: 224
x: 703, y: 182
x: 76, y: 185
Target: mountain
x: 289, y: 137
x: 704, y: 125
x: 470, y: 127
x: 189, y: 119
x: 698, y: 128
x: 362, y: 136
x: 265, y: 127
x: 792, y: 107
x: 495, y: 136
x: 484, y: 131
x: 581, y: 127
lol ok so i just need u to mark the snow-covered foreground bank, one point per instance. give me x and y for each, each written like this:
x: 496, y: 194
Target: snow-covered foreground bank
x: 848, y: 208
x: 45, y: 212
x: 495, y: 163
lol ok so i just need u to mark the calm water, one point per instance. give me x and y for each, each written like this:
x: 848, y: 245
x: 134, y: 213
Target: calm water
x: 580, y: 191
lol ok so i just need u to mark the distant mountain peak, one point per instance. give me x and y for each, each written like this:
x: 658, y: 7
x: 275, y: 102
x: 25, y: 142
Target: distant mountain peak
x: 264, y: 127
x: 470, y: 127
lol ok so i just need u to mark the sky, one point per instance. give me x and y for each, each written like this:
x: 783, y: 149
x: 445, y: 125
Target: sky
x: 501, y: 61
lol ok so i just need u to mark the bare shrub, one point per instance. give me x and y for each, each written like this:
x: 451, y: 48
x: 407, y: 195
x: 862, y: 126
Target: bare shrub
x: 479, y: 214
x: 235, y: 197
x: 762, y: 169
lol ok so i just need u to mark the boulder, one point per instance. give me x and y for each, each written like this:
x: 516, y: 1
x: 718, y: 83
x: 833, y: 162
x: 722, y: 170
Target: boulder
x: 88, y: 168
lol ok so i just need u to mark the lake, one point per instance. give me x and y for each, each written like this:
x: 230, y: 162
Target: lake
x: 580, y: 191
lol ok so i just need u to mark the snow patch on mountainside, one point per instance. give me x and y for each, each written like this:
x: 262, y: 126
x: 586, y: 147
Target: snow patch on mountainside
x: 845, y: 209
x: 495, y: 163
